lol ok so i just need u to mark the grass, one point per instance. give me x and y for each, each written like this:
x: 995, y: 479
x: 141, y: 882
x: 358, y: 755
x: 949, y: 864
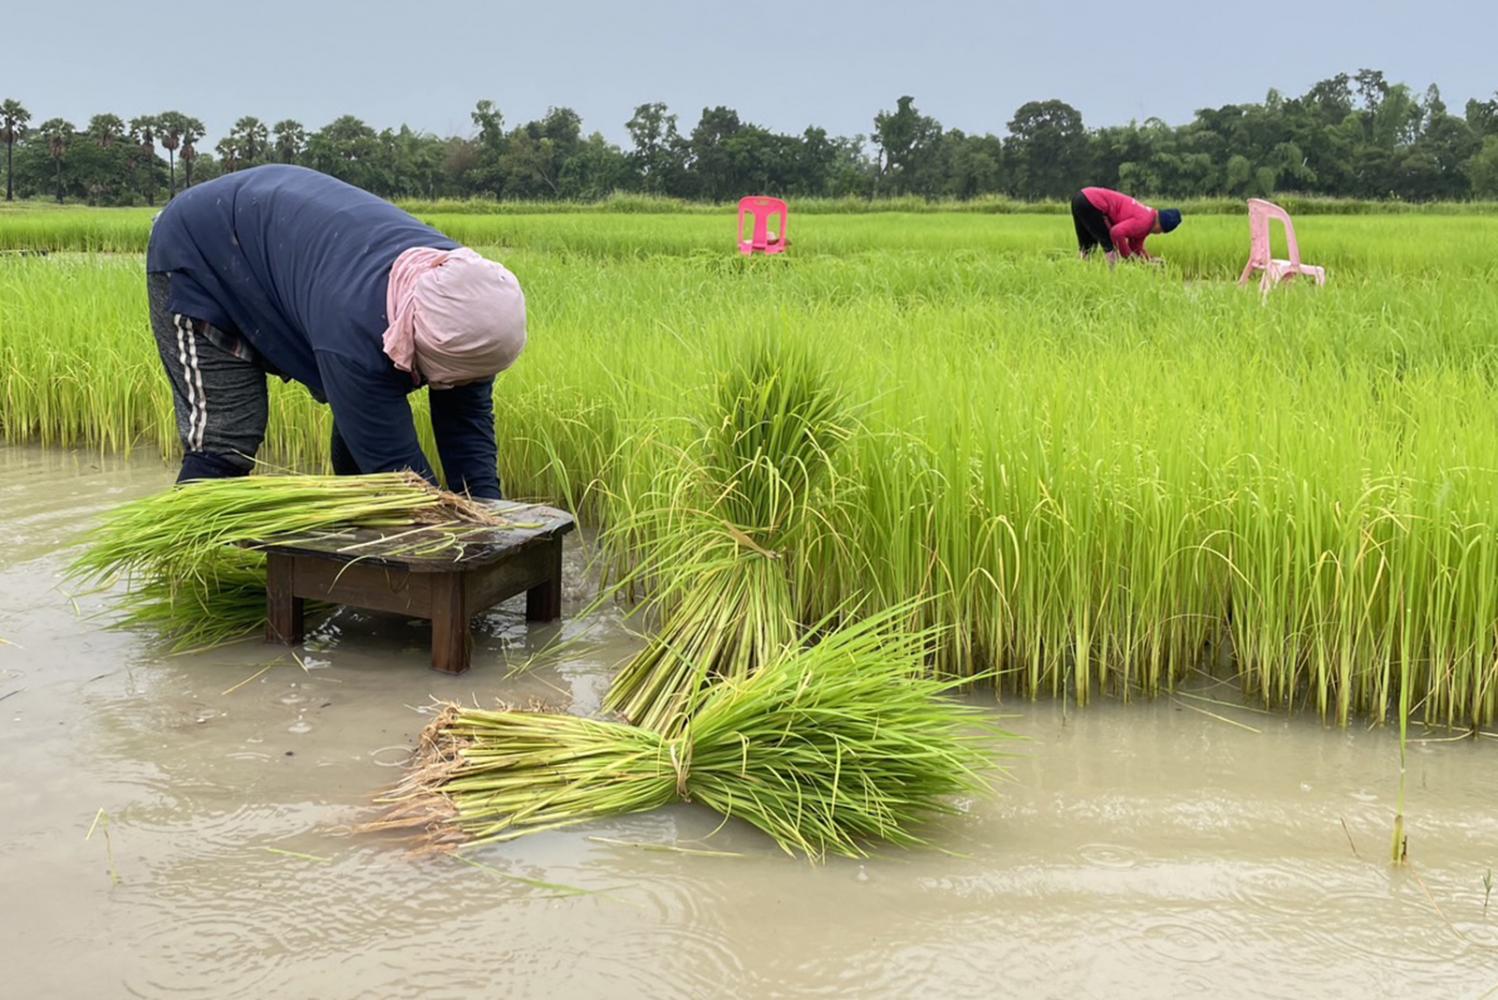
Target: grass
x: 824, y: 749
x: 1095, y: 481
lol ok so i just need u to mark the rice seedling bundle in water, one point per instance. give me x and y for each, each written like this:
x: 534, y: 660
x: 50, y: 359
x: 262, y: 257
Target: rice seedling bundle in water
x: 716, y: 542
x: 826, y: 749
x: 178, y: 551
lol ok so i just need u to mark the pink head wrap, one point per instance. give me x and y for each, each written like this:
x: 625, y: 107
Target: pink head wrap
x: 454, y: 316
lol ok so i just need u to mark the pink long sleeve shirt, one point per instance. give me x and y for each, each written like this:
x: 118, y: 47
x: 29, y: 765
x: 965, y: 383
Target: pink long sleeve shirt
x: 1129, y: 222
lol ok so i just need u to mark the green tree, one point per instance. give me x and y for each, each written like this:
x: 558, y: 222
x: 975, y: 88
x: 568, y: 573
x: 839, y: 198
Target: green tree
x: 228, y: 154
x: 1114, y: 146
x: 105, y: 130
x: 250, y: 139
x: 13, y: 119
x: 659, y: 154
x: 1371, y: 87
x: 1433, y: 106
x: 1396, y: 120
x: 489, y: 147
x: 909, y: 146
x: 169, y: 128
x: 535, y: 153
x: 1435, y: 166
x: 346, y: 148
x: 1330, y: 100
x: 1047, y: 150
x: 1482, y: 169
x: 291, y: 138
x: 58, y: 134
x: 192, y: 131
x: 596, y: 170
x: 710, y: 161
x: 975, y: 165
x: 814, y: 159
x: 1482, y: 116
x: 143, y: 134
x: 760, y: 162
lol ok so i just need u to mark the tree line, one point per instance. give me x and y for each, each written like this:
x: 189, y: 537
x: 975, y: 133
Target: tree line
x: 1351, y: 135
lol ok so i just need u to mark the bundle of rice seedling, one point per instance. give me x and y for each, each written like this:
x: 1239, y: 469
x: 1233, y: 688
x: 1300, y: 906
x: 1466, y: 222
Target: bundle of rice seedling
x: 712, y: 540
x: 177, y: 550
x: 825, y: 749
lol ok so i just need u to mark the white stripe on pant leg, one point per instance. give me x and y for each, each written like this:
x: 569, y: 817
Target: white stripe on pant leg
x: 192, y: 379
x: 192, y: 406
x: 197, y: 374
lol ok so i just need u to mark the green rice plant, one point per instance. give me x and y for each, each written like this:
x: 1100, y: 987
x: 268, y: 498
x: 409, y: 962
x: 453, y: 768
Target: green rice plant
x: 1092, y: 481
x: 826, y: 749
x: 1214, y: 243
x: 713, y: 546
x: 188, y: 554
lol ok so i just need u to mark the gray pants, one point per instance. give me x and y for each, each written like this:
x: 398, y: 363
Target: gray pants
x: 218, y: 390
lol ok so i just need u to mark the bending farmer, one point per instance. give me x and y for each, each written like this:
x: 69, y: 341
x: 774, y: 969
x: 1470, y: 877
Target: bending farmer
x: 1117, y: 223
x: 286, y: 271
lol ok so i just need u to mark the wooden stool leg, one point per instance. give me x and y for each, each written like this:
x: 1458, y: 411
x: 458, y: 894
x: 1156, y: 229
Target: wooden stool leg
x: 543, y: 602
x: 450, y: 640
x: 283, y: 608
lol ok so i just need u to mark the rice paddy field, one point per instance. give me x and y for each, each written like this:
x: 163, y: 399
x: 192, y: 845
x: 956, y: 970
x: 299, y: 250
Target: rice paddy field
x: 1096, y: 481
x: 1228, y: 566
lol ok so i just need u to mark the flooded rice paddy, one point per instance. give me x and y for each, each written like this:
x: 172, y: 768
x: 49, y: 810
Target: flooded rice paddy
x: 1142, y: 850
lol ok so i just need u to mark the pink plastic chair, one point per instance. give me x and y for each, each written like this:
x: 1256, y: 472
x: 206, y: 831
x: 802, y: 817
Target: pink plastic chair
x: 761, y: 209
x: 1260, y: 213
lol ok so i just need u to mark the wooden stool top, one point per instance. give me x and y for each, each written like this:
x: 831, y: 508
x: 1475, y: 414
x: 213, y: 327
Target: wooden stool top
x: 444, y: 549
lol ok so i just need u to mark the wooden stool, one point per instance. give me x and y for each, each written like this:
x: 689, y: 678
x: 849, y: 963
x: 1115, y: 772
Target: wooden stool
x: 443, y: 575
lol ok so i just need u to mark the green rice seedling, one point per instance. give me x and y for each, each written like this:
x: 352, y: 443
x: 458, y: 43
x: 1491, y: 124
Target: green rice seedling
x: 1092, y: 481
x: 826, y: 749
x: 715, y: 547
x: 179, y: 551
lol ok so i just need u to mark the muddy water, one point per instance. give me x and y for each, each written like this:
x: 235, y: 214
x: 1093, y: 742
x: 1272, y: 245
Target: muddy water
x: 1140, y: 851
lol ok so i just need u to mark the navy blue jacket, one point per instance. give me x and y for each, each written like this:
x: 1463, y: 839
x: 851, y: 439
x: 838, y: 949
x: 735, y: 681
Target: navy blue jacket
x: 297, y: 263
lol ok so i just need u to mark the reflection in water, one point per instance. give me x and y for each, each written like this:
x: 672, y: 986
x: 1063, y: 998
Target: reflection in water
x: 1140, y: 850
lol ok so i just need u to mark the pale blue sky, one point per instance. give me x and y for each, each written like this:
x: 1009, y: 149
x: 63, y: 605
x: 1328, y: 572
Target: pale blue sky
x: 785, y: 65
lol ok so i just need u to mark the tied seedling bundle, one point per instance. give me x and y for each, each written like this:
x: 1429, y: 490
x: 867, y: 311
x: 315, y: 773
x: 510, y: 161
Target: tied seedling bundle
x: 714, y: 541
x: 179, y: 551
x: 825, y: 749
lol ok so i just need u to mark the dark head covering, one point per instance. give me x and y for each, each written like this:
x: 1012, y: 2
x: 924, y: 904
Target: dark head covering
x: 1169, y: 219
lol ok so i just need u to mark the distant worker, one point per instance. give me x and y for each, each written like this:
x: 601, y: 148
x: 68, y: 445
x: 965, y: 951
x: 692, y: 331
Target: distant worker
x: 1117, y: 223
x: 284, y: 271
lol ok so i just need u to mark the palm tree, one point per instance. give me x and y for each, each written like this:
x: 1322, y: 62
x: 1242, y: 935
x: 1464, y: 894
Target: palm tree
x: 58, y: 133
x: 192, y: 131
x: 250, y: 139
x: 13, y: 119
x: 105, y: 130
x: 143, y: 134
x: 291, y: 137
x: 228, y: 154
x: 169, y: 126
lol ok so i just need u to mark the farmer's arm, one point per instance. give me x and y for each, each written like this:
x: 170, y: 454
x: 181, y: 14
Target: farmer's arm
x: 1128, y: 235
x: 463, y: 422
x: 373, y: 417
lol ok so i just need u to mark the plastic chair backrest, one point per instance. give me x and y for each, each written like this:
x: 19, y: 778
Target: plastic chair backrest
x: 1260, y: 214
x: 761, y: 208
